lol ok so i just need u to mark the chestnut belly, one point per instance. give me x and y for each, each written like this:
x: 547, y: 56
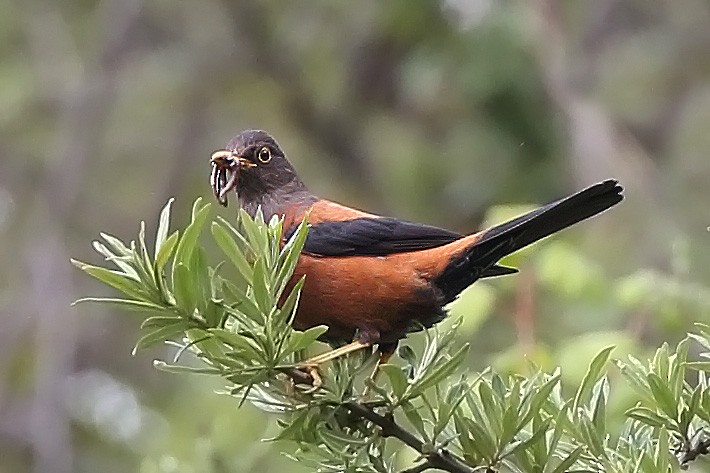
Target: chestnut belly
x: 379, y: 299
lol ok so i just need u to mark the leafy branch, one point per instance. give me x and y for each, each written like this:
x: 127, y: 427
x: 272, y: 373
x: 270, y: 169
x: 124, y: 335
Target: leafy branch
x: 233, y: 320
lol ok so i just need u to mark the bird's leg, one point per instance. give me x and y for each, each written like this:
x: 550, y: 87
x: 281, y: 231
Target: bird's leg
x: 363, y: 339
x: 386, y: 352
x: 311, y: 365
x: 336, y: 353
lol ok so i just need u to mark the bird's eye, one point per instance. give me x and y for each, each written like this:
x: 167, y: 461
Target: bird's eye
x: 264, y: 155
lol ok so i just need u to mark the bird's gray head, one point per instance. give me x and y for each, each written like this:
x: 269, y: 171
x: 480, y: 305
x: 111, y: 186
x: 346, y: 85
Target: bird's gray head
x: 254, y: 165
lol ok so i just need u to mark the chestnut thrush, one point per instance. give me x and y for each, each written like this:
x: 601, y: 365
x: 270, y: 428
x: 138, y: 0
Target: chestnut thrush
x: 373, y: 279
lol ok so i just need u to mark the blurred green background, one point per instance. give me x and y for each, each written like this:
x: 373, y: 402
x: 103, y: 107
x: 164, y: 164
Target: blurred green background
x: 431, y: 111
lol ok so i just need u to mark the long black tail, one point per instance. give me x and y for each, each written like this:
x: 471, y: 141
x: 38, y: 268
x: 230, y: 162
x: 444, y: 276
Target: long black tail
x: 515, y: 234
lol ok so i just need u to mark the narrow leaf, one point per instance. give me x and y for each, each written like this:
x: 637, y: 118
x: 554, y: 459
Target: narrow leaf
x: 569, y: 460
x: 127, y: 303
x: 180, y: 369
x: 596, y: 368
x: 160, y: 335
x: 397, y: 379
x: 163, y: 226
x: 166, y: 251
x: 230, y: 248
x: 114, y: 279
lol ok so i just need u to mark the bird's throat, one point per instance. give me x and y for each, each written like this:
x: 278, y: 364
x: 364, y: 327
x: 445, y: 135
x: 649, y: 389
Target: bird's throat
x: 277, y: 202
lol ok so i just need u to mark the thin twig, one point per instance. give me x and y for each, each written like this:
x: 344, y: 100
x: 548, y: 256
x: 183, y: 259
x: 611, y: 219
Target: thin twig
x: 702, y: 448
x: 439, y: 458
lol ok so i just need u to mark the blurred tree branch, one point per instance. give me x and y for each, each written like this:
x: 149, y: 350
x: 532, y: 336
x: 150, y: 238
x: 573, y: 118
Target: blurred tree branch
x: 85, y: 101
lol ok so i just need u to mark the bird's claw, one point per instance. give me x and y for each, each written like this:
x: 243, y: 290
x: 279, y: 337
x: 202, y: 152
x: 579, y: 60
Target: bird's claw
x: 312, y: 371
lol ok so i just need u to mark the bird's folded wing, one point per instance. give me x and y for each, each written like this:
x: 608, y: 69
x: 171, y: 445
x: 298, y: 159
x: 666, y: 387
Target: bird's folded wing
x: 373, y: 236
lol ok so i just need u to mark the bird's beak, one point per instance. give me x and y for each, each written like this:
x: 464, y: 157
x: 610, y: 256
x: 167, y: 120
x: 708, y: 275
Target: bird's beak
x: 226, y: 166
x: 228, y: 159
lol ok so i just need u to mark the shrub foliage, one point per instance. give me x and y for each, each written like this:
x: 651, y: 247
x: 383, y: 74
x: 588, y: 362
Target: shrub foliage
x: 233, y: 320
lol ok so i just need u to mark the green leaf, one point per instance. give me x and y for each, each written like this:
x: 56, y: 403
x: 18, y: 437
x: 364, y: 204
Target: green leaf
x: 144, y: 267
x: 184, y: 287
x: 454, y: 397
x: 662, y: 452
x: 414, y: 418
x: 118, y: 246
x: 114, y: 279
x: 187, y: 243
x: 560, y: 428
x: 287, y: 311
x: 262, y: 294
x: 131, y: 304
x: 498, y: 386
x: 704, y: 341
x: 241, y: 240
x: 196, y: 208
x: 595, y: 371
x: 406, y: 353
x: 469, y: 446
x: 144, y: 256
x: 569, y: 460
x: 163, y: 226
x: 634, y: 373
x: 255, y: 235
x: 490, y: 409
x: 648, y: 417
x: 397, y: 378
x: 289, y: 256
x: 251, y: 350
x: 440, y: 372
x: 698, y: 365
x: 676, y: 376
x: 538, y: 451
x: 303, y: 340
x: 160, y: 321
x: 161, y: 334
x: 230, y: 248
x: 166, y: 251
x: 125, y: 263
x: 514, y: 447
x: 200, y: 276
x: 181, y: 369
x: 600, y: 394
x: 293, y: 428
x: 660, y: 361
x: 484, y: 442
x: 663, y: 396
x: 213, y: 313
x: 509, y: 421
x: 538, y: 399
x: 592, y: 438
x: 243, y: 306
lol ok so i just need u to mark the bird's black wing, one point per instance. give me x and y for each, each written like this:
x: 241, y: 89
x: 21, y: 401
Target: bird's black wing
x: 374, y: 236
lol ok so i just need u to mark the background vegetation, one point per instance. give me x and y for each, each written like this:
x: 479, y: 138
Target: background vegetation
x: 429, y: 111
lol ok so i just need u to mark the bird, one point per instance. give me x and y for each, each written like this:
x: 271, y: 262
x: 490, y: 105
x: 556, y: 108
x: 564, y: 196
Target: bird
x: 374, y: 279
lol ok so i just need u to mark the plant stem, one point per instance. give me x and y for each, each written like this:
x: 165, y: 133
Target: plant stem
x: 702, y: 448
x: 441, y: 458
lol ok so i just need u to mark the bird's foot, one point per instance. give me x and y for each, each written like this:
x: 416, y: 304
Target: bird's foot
x: 311, y: 366
x: 372, y: 379
x: 313, y: 372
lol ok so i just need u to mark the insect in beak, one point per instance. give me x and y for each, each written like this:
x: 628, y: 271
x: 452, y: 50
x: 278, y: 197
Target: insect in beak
x: 226, y: 166
x: 224, y: 174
